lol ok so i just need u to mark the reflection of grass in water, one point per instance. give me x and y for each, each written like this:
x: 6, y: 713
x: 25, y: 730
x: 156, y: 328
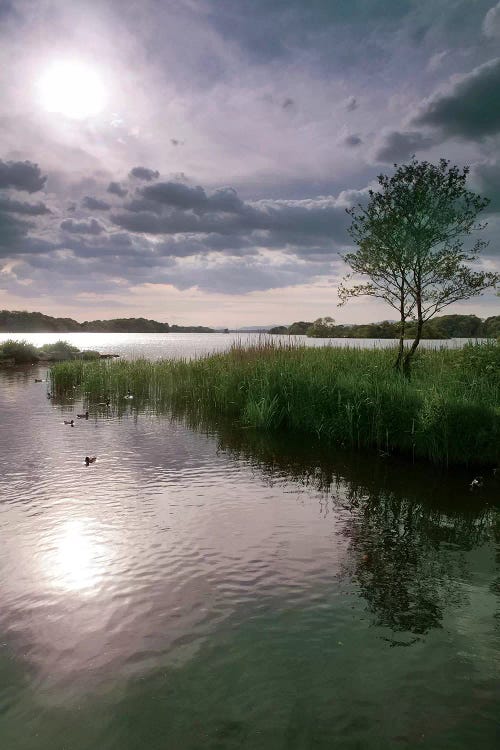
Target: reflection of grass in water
x: 399, y: 519
x: 298, y: 682
x: 449, y: 412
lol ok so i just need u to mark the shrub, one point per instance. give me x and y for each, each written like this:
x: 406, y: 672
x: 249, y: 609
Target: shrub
x: 60, y: 347
x: 481, y: 359
x: 20, y: 351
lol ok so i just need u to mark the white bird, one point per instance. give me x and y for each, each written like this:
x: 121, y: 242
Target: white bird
x: 476, y: 483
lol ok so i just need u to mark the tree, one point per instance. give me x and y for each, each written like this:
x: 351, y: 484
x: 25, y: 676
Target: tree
x: 299, y: 328
x: 410, y: 241
x: 322, y: 328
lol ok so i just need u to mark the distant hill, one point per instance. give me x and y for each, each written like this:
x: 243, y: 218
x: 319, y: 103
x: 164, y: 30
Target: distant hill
x: 17, y: 321
x: 251, y: 329
x: 443, y: 327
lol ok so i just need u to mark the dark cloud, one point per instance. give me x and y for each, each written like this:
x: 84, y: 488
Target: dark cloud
x: 230, y: 275
x: 116, y: 189
x: 141, y: 221
x: 143, y: 173
x: 270, y: 30
x: 486, y: 178
x: 95, y: 204
x: 21, y: 175
x: 226, y: 200
x: 12, y: 233
x: 469, y: 107
x: 8, y: 10
x: 9, y: 205
x: 169, y: 208
x: 353, y: 140
x: 172, y: 221
x: 180, y: 196
x: 33, y: 245
x: 90, y: 226
x: 118, y: 246
x: 398, y: 146
x: 243, y: 275
x: 177, y: 195
x: 13, y: 229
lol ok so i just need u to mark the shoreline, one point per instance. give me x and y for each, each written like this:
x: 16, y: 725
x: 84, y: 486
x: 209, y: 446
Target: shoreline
x: 447, y: 413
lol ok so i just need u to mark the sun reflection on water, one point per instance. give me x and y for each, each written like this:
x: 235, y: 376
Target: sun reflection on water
x: 78, y: 559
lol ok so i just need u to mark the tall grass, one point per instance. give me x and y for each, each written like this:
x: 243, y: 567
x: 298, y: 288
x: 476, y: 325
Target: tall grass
x: 449, y: 412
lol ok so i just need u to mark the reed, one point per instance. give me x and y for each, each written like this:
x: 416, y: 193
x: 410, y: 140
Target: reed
x: 449, y: 412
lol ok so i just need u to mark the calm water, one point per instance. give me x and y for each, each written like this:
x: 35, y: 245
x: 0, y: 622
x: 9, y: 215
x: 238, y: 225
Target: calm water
x: 210, y: 588
x: 174, y: 345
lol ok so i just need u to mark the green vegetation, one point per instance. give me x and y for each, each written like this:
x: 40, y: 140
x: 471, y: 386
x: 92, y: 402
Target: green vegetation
x: 449, y: 412
x: 15, y: 321
x: 410, y: 240
x: 21, y: 352
x: 62, y: 348
x: 442, y: 327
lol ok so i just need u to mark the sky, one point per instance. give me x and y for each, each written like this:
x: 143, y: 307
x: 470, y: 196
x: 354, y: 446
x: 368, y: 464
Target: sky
x: 191, y: 160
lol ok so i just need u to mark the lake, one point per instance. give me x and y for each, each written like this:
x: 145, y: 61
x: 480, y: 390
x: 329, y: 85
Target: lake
x: 204, y: 586
x: 175, y: 345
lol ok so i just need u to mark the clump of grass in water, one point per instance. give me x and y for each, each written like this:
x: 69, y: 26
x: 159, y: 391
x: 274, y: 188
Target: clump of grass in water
x: 448, y: 412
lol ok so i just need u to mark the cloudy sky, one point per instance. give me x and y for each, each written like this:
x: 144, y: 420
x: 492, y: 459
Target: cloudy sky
x: 191, y: 160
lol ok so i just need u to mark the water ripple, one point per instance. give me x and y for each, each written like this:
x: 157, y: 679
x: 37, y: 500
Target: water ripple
x: 173, y: 573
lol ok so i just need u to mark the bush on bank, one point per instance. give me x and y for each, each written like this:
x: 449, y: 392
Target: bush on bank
x: 21, y: 352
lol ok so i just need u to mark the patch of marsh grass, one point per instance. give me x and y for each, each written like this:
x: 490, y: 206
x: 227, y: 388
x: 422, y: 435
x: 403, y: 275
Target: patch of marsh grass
x: 448, y: 412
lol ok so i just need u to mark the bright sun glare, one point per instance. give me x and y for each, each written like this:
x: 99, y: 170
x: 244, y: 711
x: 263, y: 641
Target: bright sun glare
x: 78, y: 561
x: 73, y: 89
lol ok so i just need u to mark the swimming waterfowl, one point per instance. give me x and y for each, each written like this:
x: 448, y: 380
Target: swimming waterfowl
x: 476, y: 483
x: 38, y: 380
x: 83, y: 416
x: 90, y: 460
x: 70, y: 421
x: 129, y: 394
x: 104, y: 403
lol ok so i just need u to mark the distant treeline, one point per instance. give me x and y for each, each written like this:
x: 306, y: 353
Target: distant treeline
x: 444, y: 327
x: 15, y: 321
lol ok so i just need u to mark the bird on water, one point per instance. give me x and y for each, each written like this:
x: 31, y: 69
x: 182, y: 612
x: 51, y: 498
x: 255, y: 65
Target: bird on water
x: 476, y: 484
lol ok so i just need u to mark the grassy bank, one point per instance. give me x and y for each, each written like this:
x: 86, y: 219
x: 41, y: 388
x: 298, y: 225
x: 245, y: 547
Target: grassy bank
x: 449, y: 412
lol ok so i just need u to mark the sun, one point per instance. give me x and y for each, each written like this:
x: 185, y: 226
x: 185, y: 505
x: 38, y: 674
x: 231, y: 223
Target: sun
x: 73, y: 89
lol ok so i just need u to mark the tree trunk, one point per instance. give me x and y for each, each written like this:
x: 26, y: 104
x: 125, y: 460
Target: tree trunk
x: 420, y: 323
x: 398, y: 365
x: 411, y: 351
